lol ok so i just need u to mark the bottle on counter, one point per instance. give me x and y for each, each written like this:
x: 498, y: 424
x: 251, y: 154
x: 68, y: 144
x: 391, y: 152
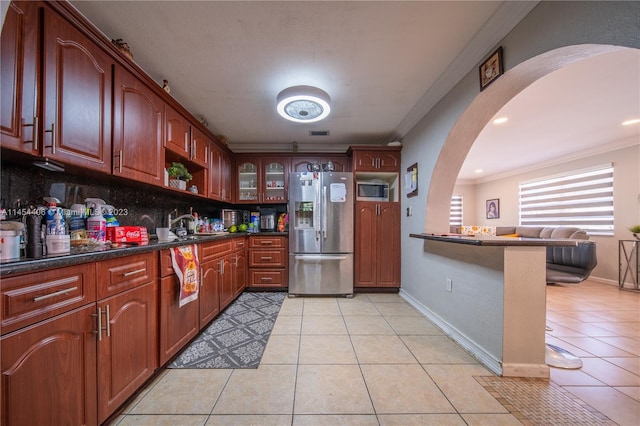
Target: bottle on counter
x: 96, y: 223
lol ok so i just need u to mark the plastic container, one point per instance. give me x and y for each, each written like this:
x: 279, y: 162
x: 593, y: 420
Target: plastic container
x: 109, y: 216
x: 58, y: 244
x: 52, y: 203
x: 96, y: 223
x: 10, y: 244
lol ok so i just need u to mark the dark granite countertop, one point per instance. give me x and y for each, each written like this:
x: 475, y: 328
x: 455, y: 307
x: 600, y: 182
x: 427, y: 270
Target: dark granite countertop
x: 92, y: 254
x: 496, y: 241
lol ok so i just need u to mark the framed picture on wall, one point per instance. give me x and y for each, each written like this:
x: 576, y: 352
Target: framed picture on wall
x: 491, y: 69
x: 493, y: 208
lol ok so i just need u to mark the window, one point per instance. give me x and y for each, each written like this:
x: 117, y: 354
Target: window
x: 455, y: 212
x: 583, y: 199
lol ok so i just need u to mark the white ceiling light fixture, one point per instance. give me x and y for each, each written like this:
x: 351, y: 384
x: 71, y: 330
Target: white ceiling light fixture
x: 500, y: 120
x: 630, y: 122
x: 303, y: 104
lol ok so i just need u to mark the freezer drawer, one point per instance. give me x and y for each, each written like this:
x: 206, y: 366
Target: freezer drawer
x: 321, y: 274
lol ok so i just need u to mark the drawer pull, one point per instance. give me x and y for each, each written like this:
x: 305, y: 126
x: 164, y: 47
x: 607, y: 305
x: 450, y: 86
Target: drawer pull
x: 54, y: 294
x: 265, y: 258
x: 137, y: 271
x: 266, y: 242
x: 266, y: 279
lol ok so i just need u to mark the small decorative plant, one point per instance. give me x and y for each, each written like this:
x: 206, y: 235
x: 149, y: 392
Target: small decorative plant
x: 635, y: 230
x: 179, y: 171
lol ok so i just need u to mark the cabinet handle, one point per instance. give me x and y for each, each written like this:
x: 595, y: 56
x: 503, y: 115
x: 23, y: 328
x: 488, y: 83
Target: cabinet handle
x: 186, y: 141
x: 100, y: 328
x: 34, y: 136
x: 265, y: 258
x: 201, y: 277
x: 54, y: 294
x: 108, y: 322
x: 236, y: 261
x: 137, y: 271
x: 119, y: 155
x: 222, y: 266
x: 266, y: 242
x: 206, y: 155
x: 266, y: 279
x: 53, y: 137
x: 192, y: 155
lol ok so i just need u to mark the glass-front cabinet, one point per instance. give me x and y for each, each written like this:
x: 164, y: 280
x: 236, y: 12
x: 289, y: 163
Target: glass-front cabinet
x: 262, y: 180
x: 247, y: 182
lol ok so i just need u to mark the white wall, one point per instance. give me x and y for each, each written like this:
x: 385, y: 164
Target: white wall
x: 549, y: 26
x: 626, y: 187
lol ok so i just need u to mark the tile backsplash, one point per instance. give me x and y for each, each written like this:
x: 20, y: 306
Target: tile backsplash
x: 24, y: 185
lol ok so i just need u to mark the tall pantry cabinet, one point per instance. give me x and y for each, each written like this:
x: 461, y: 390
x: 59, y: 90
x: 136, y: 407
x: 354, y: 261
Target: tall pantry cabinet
x: 377, y: 223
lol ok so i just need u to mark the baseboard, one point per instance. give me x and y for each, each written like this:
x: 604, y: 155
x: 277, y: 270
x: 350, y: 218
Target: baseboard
x: 603, y: 280
x: 485, y: 358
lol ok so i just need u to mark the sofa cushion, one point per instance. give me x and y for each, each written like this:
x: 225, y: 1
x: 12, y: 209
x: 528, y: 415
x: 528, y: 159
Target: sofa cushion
x: 546, y: 232
x: 529, y: 231
x: 569, y: 232
x: 503, y: 230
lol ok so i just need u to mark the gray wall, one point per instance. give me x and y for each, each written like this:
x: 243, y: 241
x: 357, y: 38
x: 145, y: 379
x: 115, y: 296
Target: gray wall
x: 549, y: 26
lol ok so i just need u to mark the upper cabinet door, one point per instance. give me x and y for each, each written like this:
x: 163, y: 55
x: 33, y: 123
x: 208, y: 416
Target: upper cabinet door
x: 18, y: 65
x: 177, y: 134
x: 199, y: 148
x: 215, y: 173
x: 372, y: 160
x: 137, y: 130
x: 274, y: 179
x: 77, y: 97
x: 247, y: 178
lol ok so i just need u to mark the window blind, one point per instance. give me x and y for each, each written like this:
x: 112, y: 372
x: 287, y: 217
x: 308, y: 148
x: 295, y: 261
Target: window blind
x: 455, y: 212
x: 583, y: 199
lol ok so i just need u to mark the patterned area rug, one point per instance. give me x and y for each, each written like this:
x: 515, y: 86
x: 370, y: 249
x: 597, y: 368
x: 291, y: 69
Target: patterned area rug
x: 237, y: 338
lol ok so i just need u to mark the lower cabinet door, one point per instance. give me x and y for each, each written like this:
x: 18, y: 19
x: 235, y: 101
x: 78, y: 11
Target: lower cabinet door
x: 209, y: 293
x: 178, y: 325
x: 227, y: 290
x: 127, y: 346
x: 49, y: 371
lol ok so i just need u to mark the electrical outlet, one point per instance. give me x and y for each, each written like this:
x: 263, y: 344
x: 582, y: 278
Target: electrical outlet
x: 449, y: 285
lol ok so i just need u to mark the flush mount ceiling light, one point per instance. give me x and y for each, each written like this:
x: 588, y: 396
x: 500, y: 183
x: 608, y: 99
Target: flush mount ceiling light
x: 303, y: 104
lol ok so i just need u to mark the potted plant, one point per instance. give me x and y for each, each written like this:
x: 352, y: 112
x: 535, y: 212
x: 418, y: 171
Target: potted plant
x: 179, y: 175
x: 635, y: 230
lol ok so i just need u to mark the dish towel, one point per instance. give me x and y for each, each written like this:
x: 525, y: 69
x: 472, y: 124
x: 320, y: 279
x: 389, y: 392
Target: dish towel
x: 185, y: 263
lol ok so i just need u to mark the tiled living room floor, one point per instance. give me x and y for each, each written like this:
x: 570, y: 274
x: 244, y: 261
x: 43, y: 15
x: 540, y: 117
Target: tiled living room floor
x: 374, y: 360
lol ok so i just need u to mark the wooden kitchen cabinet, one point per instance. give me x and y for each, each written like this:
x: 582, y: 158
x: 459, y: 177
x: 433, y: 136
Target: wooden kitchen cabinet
x: 177, y: 133
x: 137, y: 130
x: 49, y: 371
x: 262, y: 180
x: 219, y: 174
x: 375, y: 159
x: 240, y: 265
x: 377, y: 244
x: 210, y: 256
x: 68, y: 117
x: 49, y: 326
x: 268, y: 261
x: 178, y: 325
x: 340, y: 163
x: 20, y: 65
x: 127, y: 344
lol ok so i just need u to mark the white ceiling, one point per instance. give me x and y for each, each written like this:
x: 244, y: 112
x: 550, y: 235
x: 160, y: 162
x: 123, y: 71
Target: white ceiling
x: 384, y: 64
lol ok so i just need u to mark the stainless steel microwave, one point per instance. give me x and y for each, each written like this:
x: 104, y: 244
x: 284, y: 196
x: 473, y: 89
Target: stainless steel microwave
x: 372, y: 191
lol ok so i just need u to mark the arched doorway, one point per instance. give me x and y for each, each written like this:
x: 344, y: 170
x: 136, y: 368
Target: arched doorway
x: 484, y: 106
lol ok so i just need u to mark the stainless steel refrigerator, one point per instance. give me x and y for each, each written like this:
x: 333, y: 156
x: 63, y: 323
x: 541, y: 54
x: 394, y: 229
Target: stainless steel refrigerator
x: 321, y: 233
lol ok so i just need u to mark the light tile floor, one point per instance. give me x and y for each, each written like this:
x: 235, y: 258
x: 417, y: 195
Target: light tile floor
x: 374, y: 360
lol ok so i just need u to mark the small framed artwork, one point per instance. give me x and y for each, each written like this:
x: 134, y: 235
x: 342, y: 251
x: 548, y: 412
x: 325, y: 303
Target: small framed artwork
x: 491, y: 69
x: 411, y: 180
x: 493, y: 208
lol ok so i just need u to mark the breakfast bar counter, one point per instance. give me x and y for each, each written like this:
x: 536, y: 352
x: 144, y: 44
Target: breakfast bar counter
x: 489, y: 295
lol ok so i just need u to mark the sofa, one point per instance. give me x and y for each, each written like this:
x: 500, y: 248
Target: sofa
x: 568, y: 265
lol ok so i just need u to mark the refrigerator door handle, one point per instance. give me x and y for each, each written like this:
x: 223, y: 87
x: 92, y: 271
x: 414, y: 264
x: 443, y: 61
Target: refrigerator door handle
x: 319, y: 257
x: 324, y: 216
x: 316, y: 210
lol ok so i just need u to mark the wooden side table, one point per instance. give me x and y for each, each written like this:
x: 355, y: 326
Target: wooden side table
x: 628, y: 263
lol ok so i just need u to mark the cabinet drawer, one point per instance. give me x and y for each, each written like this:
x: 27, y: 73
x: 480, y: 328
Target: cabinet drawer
x: 268, y: 242
x: 210, y: 251
x: 269, y: 258
x: 239, y: 243
x: 123, y: 273
x: 267, y: 278
x: 33, y: 297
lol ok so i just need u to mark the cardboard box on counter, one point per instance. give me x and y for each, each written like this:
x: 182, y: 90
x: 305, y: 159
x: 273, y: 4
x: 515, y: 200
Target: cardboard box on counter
x: 127, y: 234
